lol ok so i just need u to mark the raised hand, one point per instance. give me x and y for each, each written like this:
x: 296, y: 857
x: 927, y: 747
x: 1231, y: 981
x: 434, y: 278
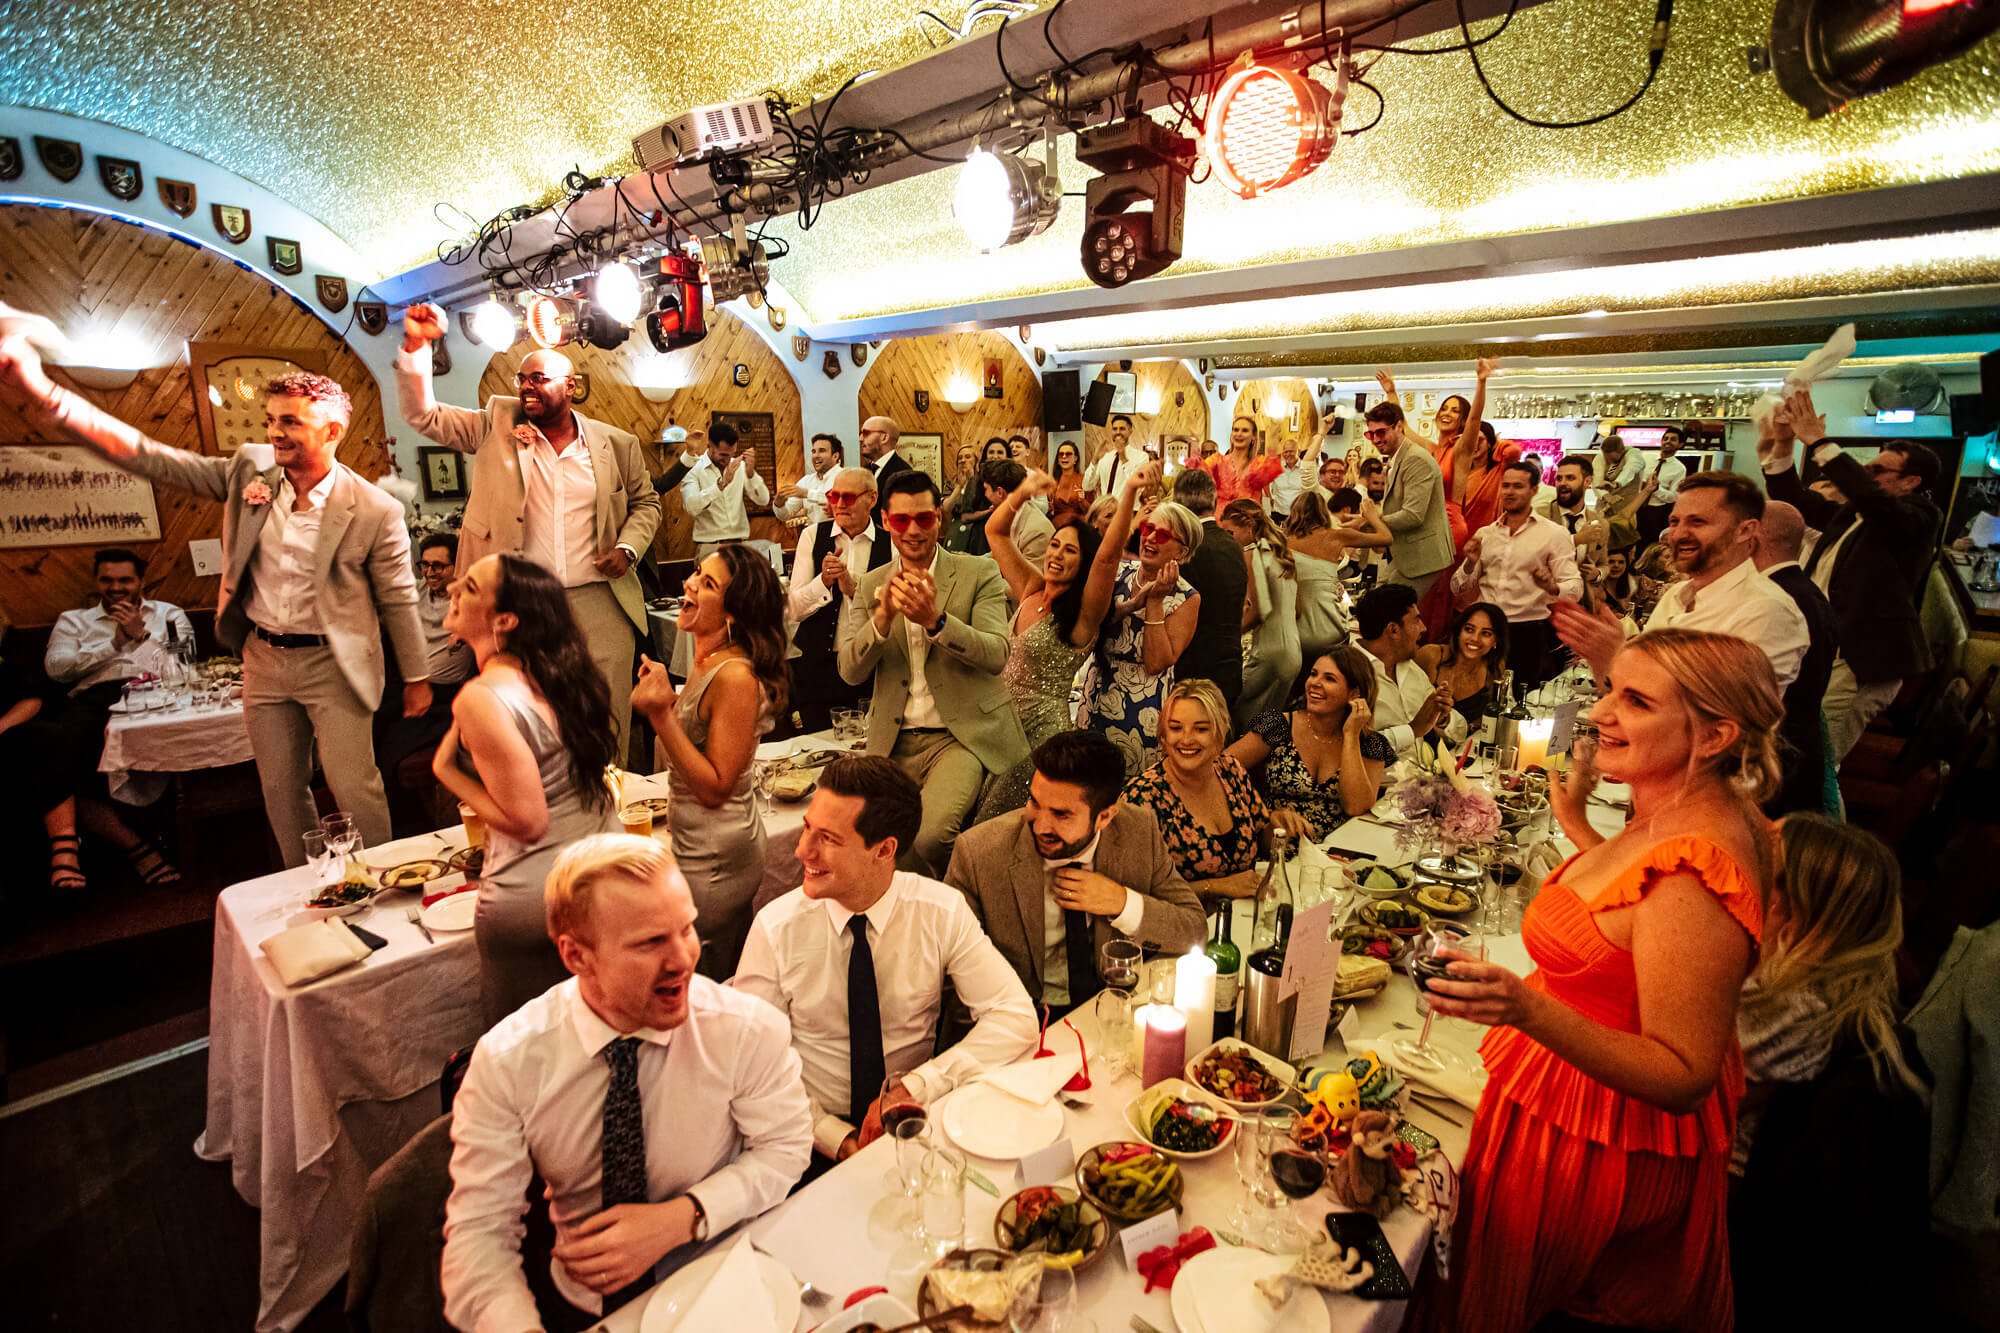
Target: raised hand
x: 1387, y: 379
x: 1360, y: 717
x: 1035, y: 483
x: 1485, y: 366
x: 422, y: 323
x: 22, y: 380
x: 1594, y: 638
x: 1807, y: 423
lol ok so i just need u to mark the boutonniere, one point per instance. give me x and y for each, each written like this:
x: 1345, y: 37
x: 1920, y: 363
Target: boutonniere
x: 257, y: 494
x: 524, y: 435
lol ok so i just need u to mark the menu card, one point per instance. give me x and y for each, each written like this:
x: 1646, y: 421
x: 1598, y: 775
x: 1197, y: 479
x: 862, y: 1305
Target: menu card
x: 1312, y: 963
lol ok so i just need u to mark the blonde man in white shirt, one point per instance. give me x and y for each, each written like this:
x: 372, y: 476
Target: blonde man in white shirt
x: 1521, y: 563
x: 1713, y: 538
x: 858, y: 958
x: 718, y: 493
x: 660, y: 1108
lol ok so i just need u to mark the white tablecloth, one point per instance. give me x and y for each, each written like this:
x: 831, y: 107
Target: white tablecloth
x: 311, y: 1088
x: 177, y: 741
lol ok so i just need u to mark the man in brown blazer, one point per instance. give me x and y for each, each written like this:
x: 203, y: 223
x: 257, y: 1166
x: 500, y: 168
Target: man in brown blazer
x: 1053, y: 882
x: 562, y: 489
x: 317, y: 562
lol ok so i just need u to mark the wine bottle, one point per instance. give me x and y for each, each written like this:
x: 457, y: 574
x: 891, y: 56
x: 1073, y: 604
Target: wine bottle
x: 1270, y: 956
x: 1228, y: 960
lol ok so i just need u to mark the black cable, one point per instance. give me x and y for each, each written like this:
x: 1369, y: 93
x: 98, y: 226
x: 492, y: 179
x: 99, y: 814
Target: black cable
x: 1000, y: 58
x: 1381, y: 105
x: 1465, y: 46
x: 1656, y: 54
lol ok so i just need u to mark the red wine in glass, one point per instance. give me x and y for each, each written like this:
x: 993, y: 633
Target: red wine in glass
x: 899, y: 1114
x: 1297, y: 1172
x: 1425, y: 970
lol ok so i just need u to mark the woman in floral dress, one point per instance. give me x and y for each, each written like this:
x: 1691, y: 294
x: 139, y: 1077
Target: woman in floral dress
x: 1152, y: 618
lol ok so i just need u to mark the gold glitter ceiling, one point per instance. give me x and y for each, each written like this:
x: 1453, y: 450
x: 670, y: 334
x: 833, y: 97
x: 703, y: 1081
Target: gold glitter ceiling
x: 370, y: 116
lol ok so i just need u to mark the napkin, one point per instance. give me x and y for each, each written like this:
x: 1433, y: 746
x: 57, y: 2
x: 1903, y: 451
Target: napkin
x: 309, y: 952
x: 1036, y: 1081
x: 734, y: 1298
x: 1816, y: 366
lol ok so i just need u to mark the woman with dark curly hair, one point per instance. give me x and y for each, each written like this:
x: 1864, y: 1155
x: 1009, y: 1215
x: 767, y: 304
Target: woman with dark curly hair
x: 530, y: 738
x: 1471, y: 657
x: 734, y: 610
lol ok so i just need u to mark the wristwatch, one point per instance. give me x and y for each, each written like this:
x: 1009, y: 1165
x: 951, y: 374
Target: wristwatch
x: 700, y: 1234
x: 938, y: 628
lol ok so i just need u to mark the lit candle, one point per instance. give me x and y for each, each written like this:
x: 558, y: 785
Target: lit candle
x: 1164, y: 1048
x: 1534, y: 742
x: 1194, y: 996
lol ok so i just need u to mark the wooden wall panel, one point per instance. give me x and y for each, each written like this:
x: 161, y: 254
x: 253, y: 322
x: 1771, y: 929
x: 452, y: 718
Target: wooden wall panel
x: 1269, y: 402
x: 706, y: 373
x: 1159, y: 417
x: 87, y: 271
x: 935, y: 363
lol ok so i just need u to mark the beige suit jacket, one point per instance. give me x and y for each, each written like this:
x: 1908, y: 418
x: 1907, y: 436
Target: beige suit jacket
x: 996, y: 866
x: 1413, y: 509
x: 496, y: 511
x: 962, y: 666
x: 361, y: 564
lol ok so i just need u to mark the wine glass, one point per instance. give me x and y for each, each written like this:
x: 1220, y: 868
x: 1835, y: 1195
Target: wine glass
x: 1297, y: 1172
x: 1425, y: 967
x: 319, y: 855
x: 1045, y: 1303
x: 906, y: 1124
x: 1251, y: 1154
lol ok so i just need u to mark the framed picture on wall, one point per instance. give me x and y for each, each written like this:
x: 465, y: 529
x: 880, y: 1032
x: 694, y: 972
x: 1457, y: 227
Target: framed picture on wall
x: 62, y: 495
x: 444, y: 473
x: 925, y: 453
x: 229, y: 380
x: 1124, y: 391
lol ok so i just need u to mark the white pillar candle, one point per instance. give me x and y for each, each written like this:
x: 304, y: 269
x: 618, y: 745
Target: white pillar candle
x: 1194, y: 995
x: 1534, y: 742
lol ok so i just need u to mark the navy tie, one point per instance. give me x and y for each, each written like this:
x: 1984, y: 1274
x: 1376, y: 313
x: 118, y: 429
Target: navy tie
x: 1078, y: 949
x: 624, y: 1148
x: 866, y: 1069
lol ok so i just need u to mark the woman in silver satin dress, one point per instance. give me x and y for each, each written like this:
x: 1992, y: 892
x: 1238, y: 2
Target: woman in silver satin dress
x: 733, y: 607
x: 1062, y: 604
x: 530, y: 738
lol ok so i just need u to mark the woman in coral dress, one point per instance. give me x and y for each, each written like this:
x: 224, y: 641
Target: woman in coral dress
x: 1596, y: 1182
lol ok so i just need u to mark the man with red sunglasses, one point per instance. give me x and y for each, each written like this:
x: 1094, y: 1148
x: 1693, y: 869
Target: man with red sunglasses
x: 1412, y: 503
x: 934, y: 641
x: 831, y: 558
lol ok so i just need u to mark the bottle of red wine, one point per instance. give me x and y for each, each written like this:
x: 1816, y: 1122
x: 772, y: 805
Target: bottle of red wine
x: 1228, y: 960
x: 1270, y: 960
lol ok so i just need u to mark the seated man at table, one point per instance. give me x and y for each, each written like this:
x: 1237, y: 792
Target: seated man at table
x: 1053, y: 882
x: 859, y: 955
x: 451, y: 664
x: 660, y: 1108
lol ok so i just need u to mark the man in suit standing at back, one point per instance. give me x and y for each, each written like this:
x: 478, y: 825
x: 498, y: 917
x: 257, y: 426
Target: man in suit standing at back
x: 1218, y: 572
x: 562, y: 489
x: 826, y: 569
x: 317, y: 562
x: 1052, y: 882
x: 1781, y: 535
x: 1412, y: 503
x: 878, y: 455
x: 934, y: 637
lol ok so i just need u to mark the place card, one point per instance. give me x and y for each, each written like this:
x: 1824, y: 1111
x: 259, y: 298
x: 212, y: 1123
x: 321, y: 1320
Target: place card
x: 1157, y: 1230
x: 1052, y: 1165
x: 1565, y: 729
x: 1312, y: 963
x: 1350, y: 1025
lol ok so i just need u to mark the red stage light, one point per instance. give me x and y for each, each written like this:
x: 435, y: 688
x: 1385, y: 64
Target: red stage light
x: 1266, y: 128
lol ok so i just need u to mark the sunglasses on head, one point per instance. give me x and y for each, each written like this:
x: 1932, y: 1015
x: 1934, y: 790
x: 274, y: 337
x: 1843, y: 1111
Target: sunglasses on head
x: 923, y: 521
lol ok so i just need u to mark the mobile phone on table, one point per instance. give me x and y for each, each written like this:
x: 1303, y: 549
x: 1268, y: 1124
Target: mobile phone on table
x: 1359, y: 1231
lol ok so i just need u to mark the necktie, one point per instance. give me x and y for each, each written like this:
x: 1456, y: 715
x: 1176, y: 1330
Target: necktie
x: 865, y: 1066
x: 1079, y: 951
x: 624, y: 1146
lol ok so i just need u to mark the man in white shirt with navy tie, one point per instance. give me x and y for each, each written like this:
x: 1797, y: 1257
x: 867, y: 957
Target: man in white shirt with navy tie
x: 660, y: 1108
x: 858, y: 957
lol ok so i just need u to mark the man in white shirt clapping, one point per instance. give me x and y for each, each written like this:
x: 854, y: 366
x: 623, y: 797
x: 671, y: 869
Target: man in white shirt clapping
x: 659, y: 1107
x: 1521, y: 563
x: 718, y: 492
x: 123, y: 636
x: 858, y: 957
x: 805, y: 499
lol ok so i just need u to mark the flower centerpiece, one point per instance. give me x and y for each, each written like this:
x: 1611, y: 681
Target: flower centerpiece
x: 1442, y: 812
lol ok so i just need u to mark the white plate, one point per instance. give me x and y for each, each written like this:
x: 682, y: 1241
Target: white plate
x: 453, y: 912
x: 680, y: 1289
x: 987, y: 1122
x: 1213, y: 1295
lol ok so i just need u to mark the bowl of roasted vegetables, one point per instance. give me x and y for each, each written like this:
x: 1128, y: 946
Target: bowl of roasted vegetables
x: 1056, y: 1222
x: 353, y: 895
x: 1129, y: 1182
x: 1240, y: 1076
x: 1179, y: 1121
x: 1396, y: 918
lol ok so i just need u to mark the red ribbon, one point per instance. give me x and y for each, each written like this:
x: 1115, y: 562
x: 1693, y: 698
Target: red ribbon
x: 1162, y: 1264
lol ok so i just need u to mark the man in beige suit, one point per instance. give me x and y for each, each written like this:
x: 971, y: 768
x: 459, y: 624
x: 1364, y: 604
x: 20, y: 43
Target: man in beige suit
x: 934, y: 638
x: 562, y: 489
x: 1077, y: 867
x: 317, y: 562
x: 1412, y: 503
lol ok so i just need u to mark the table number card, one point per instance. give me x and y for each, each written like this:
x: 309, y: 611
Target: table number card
x: 1159, y: 1229
x: 1053, y: 1165
x: 1312, y: 961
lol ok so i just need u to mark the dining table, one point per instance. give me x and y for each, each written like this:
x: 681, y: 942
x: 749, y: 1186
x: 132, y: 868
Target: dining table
x: 311, y: 1087
x: 141, y: 748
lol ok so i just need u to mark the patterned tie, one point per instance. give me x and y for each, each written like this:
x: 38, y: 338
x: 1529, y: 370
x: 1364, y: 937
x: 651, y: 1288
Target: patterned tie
x: 1078, y: 949
x: 624, y: 1147
x: 866, y: 1068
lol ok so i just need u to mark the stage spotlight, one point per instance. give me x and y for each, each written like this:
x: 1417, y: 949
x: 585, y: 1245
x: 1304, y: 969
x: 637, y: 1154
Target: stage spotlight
x: 494, y: 325
x: 735, y: 266
x: 1143, y: 163
x: 1001, y: 198
x: 677, y: 318
x: 1267, y: 127
x: 1828, y: 52
x: 551, y: 321
x: 616, y: 292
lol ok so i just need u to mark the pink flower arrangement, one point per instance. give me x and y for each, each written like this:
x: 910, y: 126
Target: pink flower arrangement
x: 1435, y: 807
x: 256, y: 494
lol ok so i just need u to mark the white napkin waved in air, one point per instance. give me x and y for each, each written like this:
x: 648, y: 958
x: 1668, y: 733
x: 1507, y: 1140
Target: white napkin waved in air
x: 1037, y: 1081
x: 1806, y: 373
x: 735, y: 1298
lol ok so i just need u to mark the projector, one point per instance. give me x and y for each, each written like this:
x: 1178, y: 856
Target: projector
x: 704, y: 131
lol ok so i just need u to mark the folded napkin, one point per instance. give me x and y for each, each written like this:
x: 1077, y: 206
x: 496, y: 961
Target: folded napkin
x: 309, y: 952
x: 1036, y: 1081
x: 734, y: 1298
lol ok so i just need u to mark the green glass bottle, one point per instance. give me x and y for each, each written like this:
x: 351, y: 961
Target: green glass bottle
x: 1228, y: 960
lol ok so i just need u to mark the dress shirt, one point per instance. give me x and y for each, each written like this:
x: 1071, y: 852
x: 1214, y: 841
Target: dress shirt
x: 560, y: 517
x: 1669, y: 473
x: 921, y: 933
x: 1984, y: 530
x: 726, y: 1121
x: 881, y: 463
x: 1055, y: 926
x: 1108, y: 473
x: 1628, y: 474
x: 809, y: 591
x: 1508, y: 560
x: 83, y: 650
x: 1289, y: 485
x: 282, y: 596
x: 451, y: 663
x: 920, y: 710
x: 812, y: 504
x: 719, y: 511
x: 1745, y: 603
x: 1398, y: 696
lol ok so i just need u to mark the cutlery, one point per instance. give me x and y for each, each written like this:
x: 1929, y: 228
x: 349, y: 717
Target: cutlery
x: 415, y: 917
x: 813, y: 1296
x: 981, y: 1182
x: 932, y: 1321
x: 1141, y: 1326
x: 1436, y: 1105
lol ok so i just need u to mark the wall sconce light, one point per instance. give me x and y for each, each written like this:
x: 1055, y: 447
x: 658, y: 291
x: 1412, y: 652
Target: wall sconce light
x: 962, y: 393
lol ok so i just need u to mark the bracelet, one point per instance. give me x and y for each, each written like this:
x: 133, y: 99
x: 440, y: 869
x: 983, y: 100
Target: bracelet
x: 1161, y: 621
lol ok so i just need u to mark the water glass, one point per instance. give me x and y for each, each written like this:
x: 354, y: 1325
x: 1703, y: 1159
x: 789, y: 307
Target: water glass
x: 911, y: 1138
x: 325, y: 865
x: 941, y: 1200
x: 1046, y: 1303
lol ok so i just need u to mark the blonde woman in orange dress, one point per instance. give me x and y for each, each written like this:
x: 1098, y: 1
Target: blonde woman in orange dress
x: 1596, y: 1182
